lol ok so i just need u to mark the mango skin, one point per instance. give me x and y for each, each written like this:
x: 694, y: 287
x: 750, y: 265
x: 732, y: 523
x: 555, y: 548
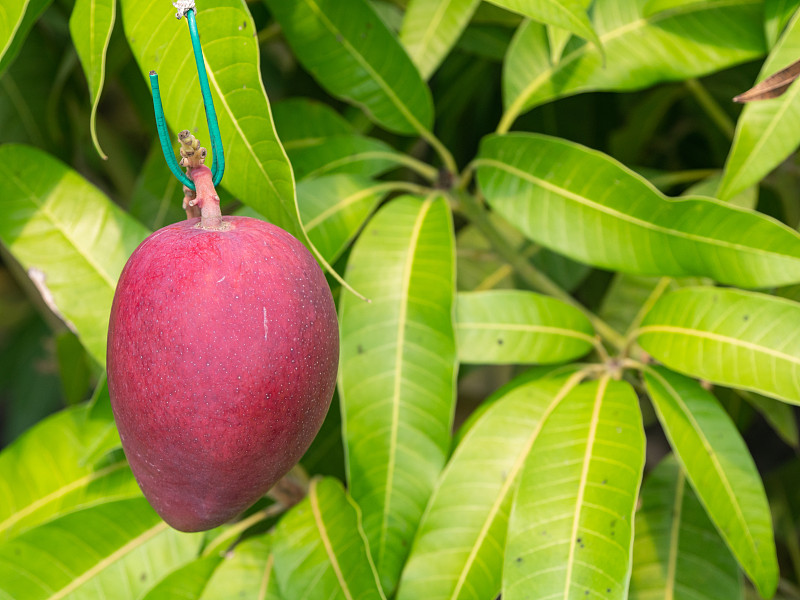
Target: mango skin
x: 223, y: 349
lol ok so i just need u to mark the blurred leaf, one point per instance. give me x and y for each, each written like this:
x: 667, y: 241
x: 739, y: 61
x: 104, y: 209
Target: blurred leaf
x: 627, y: 296
x: 320, y: 548
x: 720, y: 469
x: 745, y: 332
x: 653, y: 7
x: 257, y: 170
x: 397, y: 370
x: 300, y: 121
x: 639, y: 51
x: 49, y: 476
x: 352, y: 154
x: 777, y: 14
x: 747, y: 198
x: 571, y: 527
x: 566, y: 14
x: 70, y: 238
x: 186, y: 583
x: 73, y: 367
x: 677, y: 553
x: 90, y: 25
x: 778, y: 415
x: 17, y: 19
x: 486, y: 41
x: 354, y: 56
x: 431, y: 28
x: 767, y: 131
x: 617, y: 220
x: 500, y: 327
x: 157, y: 199
x: 325, y: 456
x: 470, y: 505
x: 88, y: 554
x: 245, y: 572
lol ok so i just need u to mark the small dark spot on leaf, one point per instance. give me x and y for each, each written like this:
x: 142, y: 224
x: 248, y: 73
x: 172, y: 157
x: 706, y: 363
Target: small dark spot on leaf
x: 244, y: 24
x: 500, y: 341
x: 605, y: 481
x: 608, y: 590
x: 586, y: 593
x: 143, y: 577
x: 579, y: 540
x: 360, y: 349
x: 746, y: 317
x: 339, y: 38
x: 519, y: 559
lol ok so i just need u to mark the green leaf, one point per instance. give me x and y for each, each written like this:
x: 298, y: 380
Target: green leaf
x: 320, y: 548
x: 720, y: 469
x: 350, y: 153
x: 16, y: 20
x: 653, y: 7
x: 43, y: 474
x: 431, y: 28
x: 777, y: 14
x: 778, y: 415
x: 90, y: 25
x: 397, y: 370
x: 639, y: 51
x: 186, y: 583
x: 470, y: 505
x: 571, y: 528
x: 566, y: 14
x: 615, y: 219
x: 354, y: 56
x: 90, y: 553
x: 767, y: 130
x: 157, y: 198
x: 677, y: 553
x: 257, y: 170
x: 70, y: 238
x: 501, y: 327
x: 246, y: 572
x: 335, y: 208
x: 745, y: 332
x: 304, y: 120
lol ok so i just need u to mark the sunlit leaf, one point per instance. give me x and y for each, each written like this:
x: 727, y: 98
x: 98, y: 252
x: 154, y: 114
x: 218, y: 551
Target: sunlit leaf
x: 777, y: 14
x: 186, y: 583
x: 320, y: 548
x: 677, y: 553
x: 571, y: 527
x: 352, y: 53
x: 745, y: 332
x: 719, y: 466
x: 70, y: 238
x: 16, y: 20
x: 90, y: 25
x: 246, y: 572
x: 500, y: 327
x: 582, y: 203
x: 397, y: 370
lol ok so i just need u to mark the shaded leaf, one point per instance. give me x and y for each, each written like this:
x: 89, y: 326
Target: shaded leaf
x: 90, y: 25
x: 571, y: 527
x: 70, y: 238
x: 776, y: 15
x: 186, y: 583
x: 353, y: 154
x: 616, y: 220
x: 677, y: 553
x: 431, y: 28
x: 500, y: 327
x: 397, y: 370
x: 354, y: 56
x: 778, y: 415
x: 257, y: 170
x: 720, y: 469
x: 17, y: 18
x: 639, y: 51
x: 300, y: 121
x: 157, y: 198
x: 320, y: 548
x: 745, y: 332
x: 471, y: 502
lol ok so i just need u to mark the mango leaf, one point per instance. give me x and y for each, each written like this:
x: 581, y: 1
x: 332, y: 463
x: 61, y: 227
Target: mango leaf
x: 320, y: 548
x: 640, y: 51
x: 777, y: 14
x: 566, y: 14
x: 397, y: 370
x: 747, y: 198
x: 90, y: 25
x: 70, y: 238
x: 745, y: 332
x: 87, y: 554
x: 501, y: 327
x: 766, y: 132
x: 571, y: 527
x: 778, y: 415
x: 186, y: 583
x: 719, y: 466
x: 615, y: 219
x: 677, y: 553
x: 471, y: 502
x: 431, y: 28
x: 557, y: 37
x: 257, y: 170
x: 353, y: 154
x: 16, y: 20
x: 43, y: 474
x: 300, y: 121
x: 246, y: 572
x: 354, y: 56
x: 157, y: 198
x: 653, y: 7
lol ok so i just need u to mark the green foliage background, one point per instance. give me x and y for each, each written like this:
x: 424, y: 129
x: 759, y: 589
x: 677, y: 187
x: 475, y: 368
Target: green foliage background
x: 579, y: 372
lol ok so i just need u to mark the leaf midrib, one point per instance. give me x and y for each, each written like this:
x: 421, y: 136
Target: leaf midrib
x: 326, y: 541
x: 14, y: 29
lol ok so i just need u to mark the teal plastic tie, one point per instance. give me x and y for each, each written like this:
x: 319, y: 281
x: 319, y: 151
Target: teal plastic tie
x: 218, y: 154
